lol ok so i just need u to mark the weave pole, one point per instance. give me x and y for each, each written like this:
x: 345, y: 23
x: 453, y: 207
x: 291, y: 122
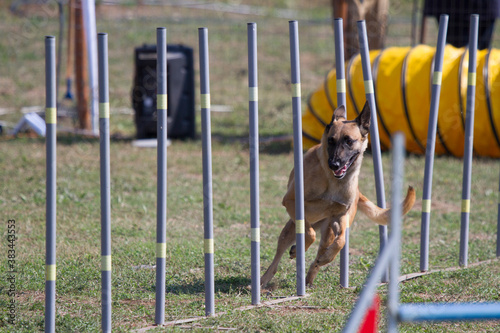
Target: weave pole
x: 253, y: 103
x: 298, y: 158
x: 51, y: 167
x: 469, y: 138
x: 383, y: 260
x: 498, y: 222
x: 375, y: 140
x: 339, y: 63
x: 398, y: 151
x: 341, y: 100
x: 207, y: 173
x: 431, y: 143
x: 161, y: 205
x: 102, y: 49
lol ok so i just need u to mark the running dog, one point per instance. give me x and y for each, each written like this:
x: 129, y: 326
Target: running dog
x: 331, y: 193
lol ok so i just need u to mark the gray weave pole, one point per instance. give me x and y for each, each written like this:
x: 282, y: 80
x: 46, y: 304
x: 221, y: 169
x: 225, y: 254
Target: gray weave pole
x: 431, y: 143
x: 375, y: 140
x: 498, y: 222
x: 469, y: 141
x: 341, y: 100
x: 207, y: 173
x: 398, y: 149
x: 385, y: 256
x: 102, y: 47
x: 51, y: 167
x: 298, y: 158
x: 253, y: 100
x: 161, y: 205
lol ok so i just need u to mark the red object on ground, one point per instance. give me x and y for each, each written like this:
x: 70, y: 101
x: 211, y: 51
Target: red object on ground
x: 370, y: 323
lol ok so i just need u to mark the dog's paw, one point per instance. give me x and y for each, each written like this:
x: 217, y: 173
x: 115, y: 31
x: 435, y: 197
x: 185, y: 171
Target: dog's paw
x: 309, y: 283
x: 268, y: 289
x: 293, y: 252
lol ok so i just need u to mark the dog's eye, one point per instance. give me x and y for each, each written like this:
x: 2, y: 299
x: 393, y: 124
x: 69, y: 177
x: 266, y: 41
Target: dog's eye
x: 331, y: 142
x: 348, y: 141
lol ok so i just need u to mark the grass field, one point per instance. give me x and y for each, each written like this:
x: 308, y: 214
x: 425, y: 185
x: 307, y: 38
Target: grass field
x: 133, y: 186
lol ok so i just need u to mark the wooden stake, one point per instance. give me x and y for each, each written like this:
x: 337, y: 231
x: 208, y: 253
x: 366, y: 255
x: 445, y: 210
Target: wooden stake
x: 81, y: 69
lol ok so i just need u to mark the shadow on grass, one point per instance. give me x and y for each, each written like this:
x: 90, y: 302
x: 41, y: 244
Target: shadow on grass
x: 272, y: 145
x: 225, y: 285
x: 276, y: 147
x: 71, y: 139
x: 64, y: 138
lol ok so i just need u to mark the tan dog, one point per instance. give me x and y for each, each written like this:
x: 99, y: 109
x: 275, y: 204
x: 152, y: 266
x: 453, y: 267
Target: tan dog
x: 331, y: 194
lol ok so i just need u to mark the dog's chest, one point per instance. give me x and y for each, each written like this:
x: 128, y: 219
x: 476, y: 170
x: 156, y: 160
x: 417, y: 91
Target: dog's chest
x: 340, y: 195
x: 335, y: 199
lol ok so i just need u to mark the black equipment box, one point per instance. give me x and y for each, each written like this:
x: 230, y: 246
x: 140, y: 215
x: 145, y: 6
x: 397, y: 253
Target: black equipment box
x: 180, y: 91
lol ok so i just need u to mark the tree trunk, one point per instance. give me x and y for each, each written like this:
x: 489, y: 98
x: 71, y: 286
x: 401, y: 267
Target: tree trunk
x: 374, y: 12
x: 81, y: 70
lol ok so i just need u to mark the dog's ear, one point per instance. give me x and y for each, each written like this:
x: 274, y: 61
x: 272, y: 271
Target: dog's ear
x: 338, y: 114
x: 363, y: 120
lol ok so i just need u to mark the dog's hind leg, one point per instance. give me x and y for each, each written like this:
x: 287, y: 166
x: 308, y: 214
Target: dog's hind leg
x: 285, y: 240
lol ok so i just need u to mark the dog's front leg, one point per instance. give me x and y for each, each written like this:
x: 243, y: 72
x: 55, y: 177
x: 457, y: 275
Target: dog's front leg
x: 327, y: 238
x: 309, y: 236
x: 285, y: 240
x: 330, y: 245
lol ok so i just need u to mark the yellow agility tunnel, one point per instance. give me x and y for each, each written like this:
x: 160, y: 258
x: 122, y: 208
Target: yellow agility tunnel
x: 402, y: 82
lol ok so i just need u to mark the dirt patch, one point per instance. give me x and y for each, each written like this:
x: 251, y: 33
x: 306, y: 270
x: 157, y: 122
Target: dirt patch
x: 7, y: 86
x: 137, y: 302
x: 286, y: 309
x: 481, y: 237
x: 30, y: 296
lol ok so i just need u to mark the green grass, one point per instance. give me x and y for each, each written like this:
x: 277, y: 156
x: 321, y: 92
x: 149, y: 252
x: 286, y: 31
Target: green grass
x: 133, y: 188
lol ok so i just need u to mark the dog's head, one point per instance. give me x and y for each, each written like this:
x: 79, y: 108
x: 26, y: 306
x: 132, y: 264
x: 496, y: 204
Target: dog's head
x: 343, y: 141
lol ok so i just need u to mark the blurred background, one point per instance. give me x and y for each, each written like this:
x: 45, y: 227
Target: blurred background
x: 131, y: 27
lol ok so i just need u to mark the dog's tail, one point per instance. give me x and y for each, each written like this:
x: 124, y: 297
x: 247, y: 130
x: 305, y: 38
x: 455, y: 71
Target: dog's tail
x: 383, y: 215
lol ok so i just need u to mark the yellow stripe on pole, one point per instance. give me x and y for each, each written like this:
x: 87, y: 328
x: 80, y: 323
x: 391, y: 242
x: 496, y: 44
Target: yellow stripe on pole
x: 161, y: 250
x: 341, y: 86
x: 209, y: 245
x: 437, y: 78
x: 253, y: 94
x: 426, y: 206
x: 300, y: 226
x: 161, y: 101
x: 296, y: 90
x: 466, y: 206
x: 368, y: 86
x: 205, y: 101
x: 471, y: 79
x: 50, y: 272
x: 104, y: 110
x: 106, y: 263
x: 50, y: 115
x: 256, y: 235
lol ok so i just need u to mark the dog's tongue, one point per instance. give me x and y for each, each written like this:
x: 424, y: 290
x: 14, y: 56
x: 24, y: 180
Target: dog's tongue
x: 340, y: 172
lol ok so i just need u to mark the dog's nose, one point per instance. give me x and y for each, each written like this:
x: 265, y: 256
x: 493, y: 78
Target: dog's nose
x: 334, y: 165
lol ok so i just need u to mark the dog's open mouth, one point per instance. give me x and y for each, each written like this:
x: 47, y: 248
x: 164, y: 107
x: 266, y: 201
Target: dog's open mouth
x: 341, y: 172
